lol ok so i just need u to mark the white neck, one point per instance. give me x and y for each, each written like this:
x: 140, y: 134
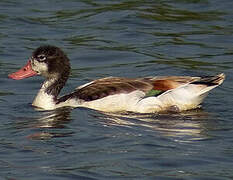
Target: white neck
x: 43, y: 99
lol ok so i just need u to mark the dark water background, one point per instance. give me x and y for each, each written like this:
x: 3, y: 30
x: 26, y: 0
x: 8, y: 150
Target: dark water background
x: 131, y: 38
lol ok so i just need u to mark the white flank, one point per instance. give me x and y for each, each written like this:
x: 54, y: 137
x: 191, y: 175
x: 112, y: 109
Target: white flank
x: 184, y: 97
x: 114, y: 103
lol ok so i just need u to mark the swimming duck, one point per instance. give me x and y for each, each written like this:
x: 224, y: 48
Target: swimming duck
x: 113, y: 94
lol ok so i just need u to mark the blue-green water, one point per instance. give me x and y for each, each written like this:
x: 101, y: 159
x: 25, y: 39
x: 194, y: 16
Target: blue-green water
x: 117, y: 38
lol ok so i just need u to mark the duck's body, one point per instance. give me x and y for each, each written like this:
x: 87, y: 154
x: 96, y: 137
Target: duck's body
x: 112, y: 94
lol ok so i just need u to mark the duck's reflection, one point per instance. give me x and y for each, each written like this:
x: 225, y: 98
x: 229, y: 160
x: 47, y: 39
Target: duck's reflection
x: 190, y: 125
x: 54, y: 119
x: 51, y: 123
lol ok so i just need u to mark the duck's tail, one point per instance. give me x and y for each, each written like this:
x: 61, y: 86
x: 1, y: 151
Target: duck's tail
x: 211, y: 80
x: 205, y: 84
x: 190, y: 95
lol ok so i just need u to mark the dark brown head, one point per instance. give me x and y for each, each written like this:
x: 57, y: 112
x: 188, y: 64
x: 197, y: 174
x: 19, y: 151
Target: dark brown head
x: 50, y: 61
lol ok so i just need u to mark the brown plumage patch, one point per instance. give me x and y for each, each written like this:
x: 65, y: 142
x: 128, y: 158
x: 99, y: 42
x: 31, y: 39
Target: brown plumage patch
x: 108, y: 86
x: 165, y: 85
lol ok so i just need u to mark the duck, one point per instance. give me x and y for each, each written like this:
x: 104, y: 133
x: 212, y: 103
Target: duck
x: 113, y: 94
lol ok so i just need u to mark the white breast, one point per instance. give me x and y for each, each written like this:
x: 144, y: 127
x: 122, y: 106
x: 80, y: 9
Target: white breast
x: 44, y: 101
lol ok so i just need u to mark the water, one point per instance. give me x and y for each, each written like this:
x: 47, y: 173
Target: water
x: 117, y: 38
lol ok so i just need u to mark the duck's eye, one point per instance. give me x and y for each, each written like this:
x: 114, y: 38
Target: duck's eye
x: 41, y: 57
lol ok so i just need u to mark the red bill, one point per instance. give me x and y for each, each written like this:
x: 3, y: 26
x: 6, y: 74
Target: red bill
x: 25, y: 72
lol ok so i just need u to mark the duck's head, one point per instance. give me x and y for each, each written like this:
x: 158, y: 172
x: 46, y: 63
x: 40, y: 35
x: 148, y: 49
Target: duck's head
x: 47, y: 61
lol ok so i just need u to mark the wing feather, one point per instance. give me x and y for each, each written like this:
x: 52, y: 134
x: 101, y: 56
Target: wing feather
x: 115, y: 85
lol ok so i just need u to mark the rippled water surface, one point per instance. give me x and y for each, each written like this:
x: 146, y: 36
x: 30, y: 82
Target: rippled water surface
x: 117, y: 38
